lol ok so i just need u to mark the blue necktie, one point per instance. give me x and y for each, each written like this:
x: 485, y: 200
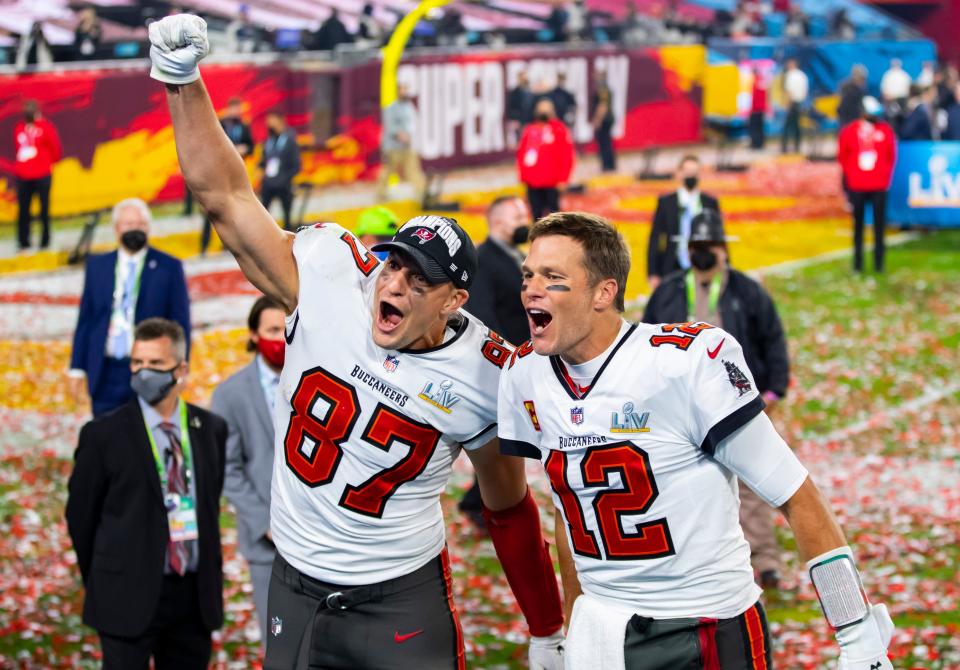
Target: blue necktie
x: 683, y: 254
x: 121, y: 340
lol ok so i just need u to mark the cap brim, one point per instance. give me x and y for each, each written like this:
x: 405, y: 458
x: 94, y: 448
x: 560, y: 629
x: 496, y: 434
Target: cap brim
x: 430, y: 269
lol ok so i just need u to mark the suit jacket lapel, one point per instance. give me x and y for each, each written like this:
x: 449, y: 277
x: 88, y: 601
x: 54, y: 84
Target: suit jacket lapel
x: 146, y: 279
x: 141, y: 446
x: 196, y: 429
x: 260, y: 401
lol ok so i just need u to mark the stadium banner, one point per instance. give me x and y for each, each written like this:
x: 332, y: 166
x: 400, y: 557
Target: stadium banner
x: 118, y: 141
x: 826, y: 63
x: 925, y: 190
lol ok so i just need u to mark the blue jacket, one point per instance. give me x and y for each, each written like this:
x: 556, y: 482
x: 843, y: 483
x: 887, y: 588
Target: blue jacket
x: 952, y: 132
x: 163, y: 292
x: 917, y: 125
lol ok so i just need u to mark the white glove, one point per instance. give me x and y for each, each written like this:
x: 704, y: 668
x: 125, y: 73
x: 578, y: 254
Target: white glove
x: 546, y: 653
x: 864, y: 646
x: 177, y: 44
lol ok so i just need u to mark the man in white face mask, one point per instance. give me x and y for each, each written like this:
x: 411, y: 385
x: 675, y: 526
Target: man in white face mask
x: 143, y: 514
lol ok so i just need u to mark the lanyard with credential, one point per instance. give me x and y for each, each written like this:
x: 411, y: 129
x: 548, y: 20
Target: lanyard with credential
x: 184, y: 444
x: 136, y: 282
x: 712, y: 298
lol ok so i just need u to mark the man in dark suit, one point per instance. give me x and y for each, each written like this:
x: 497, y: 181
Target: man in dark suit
x: 280, y: 164
x: 667, y: 248
x: 246, y: 401
x: 120, y: 289
x: 143, y: 514
x: 495, y: 294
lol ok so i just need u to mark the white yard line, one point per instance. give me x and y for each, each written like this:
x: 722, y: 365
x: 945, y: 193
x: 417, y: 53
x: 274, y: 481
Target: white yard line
x: 789, y: 266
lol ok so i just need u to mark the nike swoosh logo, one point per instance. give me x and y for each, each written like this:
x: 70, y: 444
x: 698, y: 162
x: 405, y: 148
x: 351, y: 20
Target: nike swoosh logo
x: 398, y: 638
x: 713, y: 354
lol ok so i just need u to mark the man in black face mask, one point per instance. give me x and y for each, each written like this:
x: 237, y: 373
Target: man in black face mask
x: 713, y: 292
x: 666, y: 251
x: 120, y: 289
x: 494, y: 297
x: 280, y: 164
x: 151, y: 572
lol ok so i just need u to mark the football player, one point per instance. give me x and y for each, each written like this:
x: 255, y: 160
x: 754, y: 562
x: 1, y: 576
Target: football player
x: 385, y: 380
x: 643, y: 430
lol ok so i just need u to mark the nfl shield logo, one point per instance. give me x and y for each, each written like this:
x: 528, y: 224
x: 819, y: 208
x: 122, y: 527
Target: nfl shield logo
x: 390, y: 363
x: 276, y: 626
x: 576, y: 415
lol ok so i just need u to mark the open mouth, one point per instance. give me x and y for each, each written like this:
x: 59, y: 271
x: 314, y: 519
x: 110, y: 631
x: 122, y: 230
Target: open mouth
x: 539, y: 320
x: 388, y: 316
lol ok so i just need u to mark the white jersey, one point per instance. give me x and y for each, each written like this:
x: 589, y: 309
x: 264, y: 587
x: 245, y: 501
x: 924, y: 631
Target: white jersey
x: 365, y: 436
x: 652, y: 519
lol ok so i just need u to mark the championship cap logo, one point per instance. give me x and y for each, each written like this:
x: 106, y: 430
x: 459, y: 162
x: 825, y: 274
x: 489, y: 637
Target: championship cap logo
x: 425, y: 234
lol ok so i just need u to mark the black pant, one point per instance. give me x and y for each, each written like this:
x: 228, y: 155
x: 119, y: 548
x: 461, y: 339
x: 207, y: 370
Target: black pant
x: 604, y: 138
x: 471, y: 501
x: 407, y: 622
x: 543, y: 201
x: 26, y: 189
x: 791, y: 128
x: 282, y: 191
x: 757, y: 131
x: 740, y: 643
x: 176, y: 638
x: 859, y: 200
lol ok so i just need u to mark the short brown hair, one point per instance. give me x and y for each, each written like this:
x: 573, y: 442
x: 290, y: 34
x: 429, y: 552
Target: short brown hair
x: 154, y: 328
x: 688, y: 158
x: 262, y: 304
x: 605, y: 254
x: 500, y: 200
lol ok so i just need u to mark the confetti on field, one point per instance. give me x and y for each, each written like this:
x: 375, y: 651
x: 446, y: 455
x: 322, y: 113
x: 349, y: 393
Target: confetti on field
x: 873, y: 411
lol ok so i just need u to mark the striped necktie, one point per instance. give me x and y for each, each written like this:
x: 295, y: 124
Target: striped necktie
x: 178, y: 553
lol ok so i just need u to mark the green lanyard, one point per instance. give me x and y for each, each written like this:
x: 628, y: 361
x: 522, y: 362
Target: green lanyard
x: 712, y: 300
x: 185, y: 445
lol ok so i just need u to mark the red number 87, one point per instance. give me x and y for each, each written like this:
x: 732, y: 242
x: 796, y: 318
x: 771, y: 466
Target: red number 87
x: 315, y: 435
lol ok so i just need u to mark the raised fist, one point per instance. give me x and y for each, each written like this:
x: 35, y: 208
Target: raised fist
x: 177, y: 44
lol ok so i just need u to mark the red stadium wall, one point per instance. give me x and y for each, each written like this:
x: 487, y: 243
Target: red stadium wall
x: 118, y: 141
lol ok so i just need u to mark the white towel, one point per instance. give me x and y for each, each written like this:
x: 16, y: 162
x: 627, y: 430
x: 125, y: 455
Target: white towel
x: 596, y: 635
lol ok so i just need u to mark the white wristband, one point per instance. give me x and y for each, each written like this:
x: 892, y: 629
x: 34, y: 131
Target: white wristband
x: 837, y: 582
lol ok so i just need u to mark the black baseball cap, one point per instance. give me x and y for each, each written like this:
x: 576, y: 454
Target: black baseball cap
x: 439, y: 246
x: 707, y: 227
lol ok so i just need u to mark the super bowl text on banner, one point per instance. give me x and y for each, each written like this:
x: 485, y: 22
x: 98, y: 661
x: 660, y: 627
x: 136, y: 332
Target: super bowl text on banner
x: 925, y: 190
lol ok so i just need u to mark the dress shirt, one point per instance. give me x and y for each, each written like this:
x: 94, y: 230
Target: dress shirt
x: 690, y: 206
x: 269, y: 381
x: 122, y: 321
x: 153, y: 420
